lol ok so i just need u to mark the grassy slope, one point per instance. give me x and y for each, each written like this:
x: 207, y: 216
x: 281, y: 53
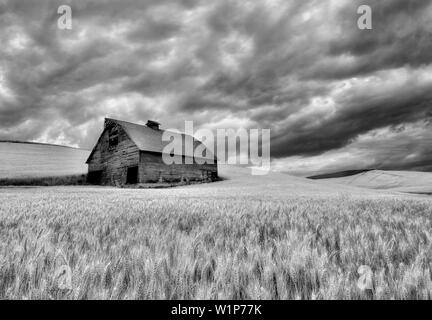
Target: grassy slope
x: 30, y: 160
x: 33, y: 160
x: 18, y: 160
x: 405, y: 181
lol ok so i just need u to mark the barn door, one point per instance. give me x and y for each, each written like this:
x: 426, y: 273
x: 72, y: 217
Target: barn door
x: 94, y: 177
x: 132, y: 175
x: 213, y: 176
x: 208, y: 175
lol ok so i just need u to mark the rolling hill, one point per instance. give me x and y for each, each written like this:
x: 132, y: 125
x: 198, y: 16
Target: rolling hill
x: 23, y: 159
x: 403, y: 181
x: 35, y: 160
x: 339, y: 174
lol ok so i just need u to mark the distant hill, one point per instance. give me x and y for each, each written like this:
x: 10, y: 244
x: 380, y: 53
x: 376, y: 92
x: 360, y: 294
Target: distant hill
x: 36, y: 160
x: 241, y: 181
x: 28, y: 159
x: 404, y: 181
x: 36, y: 143
x: 339, y: 174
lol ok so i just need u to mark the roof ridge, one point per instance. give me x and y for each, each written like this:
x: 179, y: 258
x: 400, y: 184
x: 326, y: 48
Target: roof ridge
x: 128, y: 122
x: 143, y: 125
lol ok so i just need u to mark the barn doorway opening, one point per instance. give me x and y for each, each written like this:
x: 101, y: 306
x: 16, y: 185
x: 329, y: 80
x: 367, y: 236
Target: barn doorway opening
x: 94, y: 177
x: 208, y: 175
x: 213, y: 176
x: 132, y: 175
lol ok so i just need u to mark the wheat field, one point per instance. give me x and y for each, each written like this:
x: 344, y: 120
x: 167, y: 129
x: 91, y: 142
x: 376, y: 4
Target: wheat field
x: 282, y: 239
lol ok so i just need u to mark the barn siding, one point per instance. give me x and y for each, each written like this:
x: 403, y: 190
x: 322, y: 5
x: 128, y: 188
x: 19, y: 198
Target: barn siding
x: 114, y: 162
x: 153, y: 169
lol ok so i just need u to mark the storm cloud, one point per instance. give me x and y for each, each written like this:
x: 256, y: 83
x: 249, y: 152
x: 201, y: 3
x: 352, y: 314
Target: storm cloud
x: 335, y: 97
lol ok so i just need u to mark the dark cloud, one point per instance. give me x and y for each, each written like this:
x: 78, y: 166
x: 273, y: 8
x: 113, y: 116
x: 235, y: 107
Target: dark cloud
x: 301, y: 68
x: 358, y: 111
x: 401, y: 36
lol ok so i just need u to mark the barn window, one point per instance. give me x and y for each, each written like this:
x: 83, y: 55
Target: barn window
x: 132, y: 175
x: 113, y: 138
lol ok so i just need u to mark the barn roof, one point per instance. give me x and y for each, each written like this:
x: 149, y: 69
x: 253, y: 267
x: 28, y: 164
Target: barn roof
x: 150, y: 139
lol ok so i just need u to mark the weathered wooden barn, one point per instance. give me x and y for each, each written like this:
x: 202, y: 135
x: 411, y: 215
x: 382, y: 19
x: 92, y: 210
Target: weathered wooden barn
x: 128, y: 153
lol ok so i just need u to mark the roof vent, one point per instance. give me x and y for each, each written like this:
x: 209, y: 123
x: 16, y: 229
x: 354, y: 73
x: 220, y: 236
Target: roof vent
x: 153, y: 124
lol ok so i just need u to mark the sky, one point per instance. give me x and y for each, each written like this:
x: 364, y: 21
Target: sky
x: 334, y: 97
